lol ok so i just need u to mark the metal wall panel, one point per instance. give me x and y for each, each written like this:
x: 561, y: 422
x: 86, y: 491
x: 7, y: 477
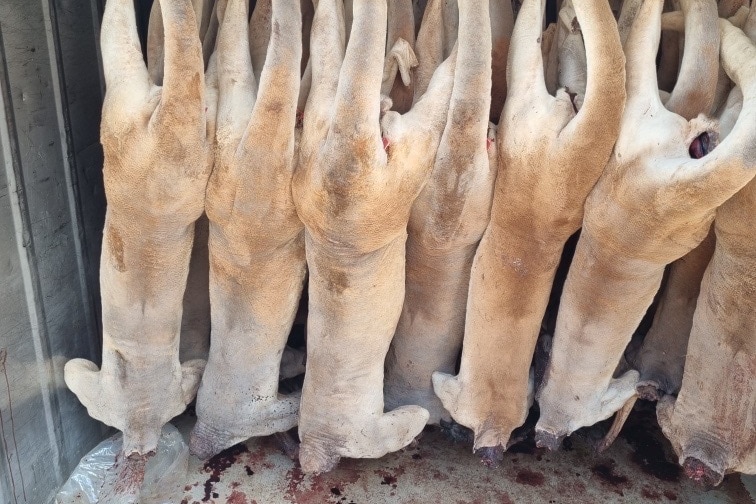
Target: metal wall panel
x: 51, y: 215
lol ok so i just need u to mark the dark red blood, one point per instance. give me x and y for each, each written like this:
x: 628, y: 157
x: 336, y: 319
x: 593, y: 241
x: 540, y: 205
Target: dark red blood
x: 130, y: 475
x: 237, y: 497
x: 530, y: 478
x: 388, y: 480
x: 670, y: 495
x: 572, y: 96
x: 605, y: 471
x: 219, y: 463
x: 650, y: 447
x: 699, y: 147
x: 649, y: 494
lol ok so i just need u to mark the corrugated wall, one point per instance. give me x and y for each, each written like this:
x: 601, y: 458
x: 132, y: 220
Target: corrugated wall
x: 51, y: 215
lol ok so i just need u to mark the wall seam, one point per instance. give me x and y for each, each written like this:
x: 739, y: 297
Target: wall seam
x: 25, y: 246
x: 69, y: 164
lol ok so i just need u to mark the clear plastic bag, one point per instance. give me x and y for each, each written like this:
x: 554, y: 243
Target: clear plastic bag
x: 105, y: 476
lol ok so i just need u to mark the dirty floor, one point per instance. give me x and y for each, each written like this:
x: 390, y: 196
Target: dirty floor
x: 639, y: 467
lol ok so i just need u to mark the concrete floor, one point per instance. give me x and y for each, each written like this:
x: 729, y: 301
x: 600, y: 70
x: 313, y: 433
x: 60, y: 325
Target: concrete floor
x: 639, y: 467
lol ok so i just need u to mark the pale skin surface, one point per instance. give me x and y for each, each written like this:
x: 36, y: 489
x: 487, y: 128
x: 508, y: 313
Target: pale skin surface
x: 677, y: 21
x: 435, y: 41
x: 354, y: 197
x: 681, y: 21
x: 195, y: 322
x: 207, y: 24
x: 158, y: 157
x: 712, y: 423
x: 724, y: 84
x: 572, y: 72
x: 661, y: 359
x: 446, y: 223
x: 257, y: 263
x: 694, y: 89
x: 728, y: 8
x: 438, y: 33
x: 502, y: 24
x: 693, y: 86
x: 549, y: 158
x: 626, y: 17
x: 662, y: 356
x: 400, y: 56
x: 670, y: 50
x: 653, y: 204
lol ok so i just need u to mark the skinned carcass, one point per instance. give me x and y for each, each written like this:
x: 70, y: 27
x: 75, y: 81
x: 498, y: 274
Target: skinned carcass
x: 654, y: 203
x: 257, y: 263
x: 712, y: 422
x: 158, y: 157
x: 564, y: 55
x: 195, y: 322
x: 354, y: 186
x: 661, y: 358
x: 549, y: 158
x: 446, y: 223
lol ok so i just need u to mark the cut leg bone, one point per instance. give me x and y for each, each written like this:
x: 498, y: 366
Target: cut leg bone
x: 158, y: 158
x: 548, y: 154
x: 653, y: 204
x: 257, y: 263
x: 445, y: 226
x: 354, y: 196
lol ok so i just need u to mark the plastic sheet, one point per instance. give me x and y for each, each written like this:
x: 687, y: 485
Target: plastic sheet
x: 105, y: 476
